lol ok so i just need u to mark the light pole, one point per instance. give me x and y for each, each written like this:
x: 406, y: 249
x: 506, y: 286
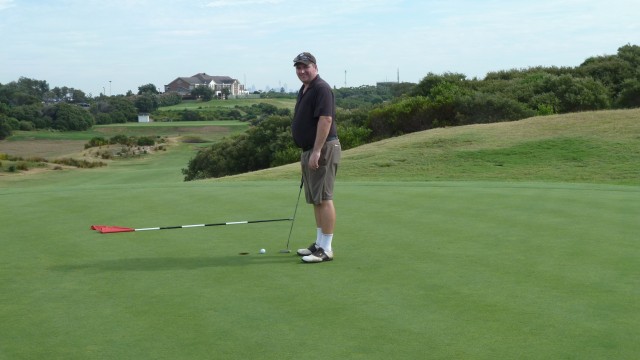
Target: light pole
x: 109, y: 87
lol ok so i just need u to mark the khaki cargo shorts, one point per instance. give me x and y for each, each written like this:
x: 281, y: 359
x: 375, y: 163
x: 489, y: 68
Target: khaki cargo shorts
x: 318, y: 184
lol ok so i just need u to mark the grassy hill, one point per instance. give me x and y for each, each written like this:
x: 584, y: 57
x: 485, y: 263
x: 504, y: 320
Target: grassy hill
x: 588, y: 147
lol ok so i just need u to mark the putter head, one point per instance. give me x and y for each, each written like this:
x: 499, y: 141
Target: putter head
x: 285, y: 251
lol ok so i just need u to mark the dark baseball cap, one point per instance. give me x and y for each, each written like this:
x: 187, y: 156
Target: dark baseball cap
x: 305, y: 58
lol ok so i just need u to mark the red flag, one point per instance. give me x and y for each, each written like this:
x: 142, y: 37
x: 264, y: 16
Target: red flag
x: 104, y: 229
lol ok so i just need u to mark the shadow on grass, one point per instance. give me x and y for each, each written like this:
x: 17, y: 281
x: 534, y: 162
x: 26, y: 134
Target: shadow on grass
x: 176, y: 263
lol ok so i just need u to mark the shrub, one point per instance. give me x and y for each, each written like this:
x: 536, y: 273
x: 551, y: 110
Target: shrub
x: 356, y: 117
x: 404, y: 116
x: 432, y: 81
x: 79, y: 163
x: 189, y: 115
x: 13, y: 123
x: 120, y: 139
x: 544, y: 110
x: 286, y: 156
x: 145, y: 141
x: 103, y: 119
x: 26, y: 126
x: 352, y: 136
x: 630, y: 95
x: 22, y: 166
x: 5, y: 129
x: 36, y: 159
x: 260, y: 147
x: 488, y: 108
x: 96, y: 142
x: 168, y: 99
x: 577, y: 94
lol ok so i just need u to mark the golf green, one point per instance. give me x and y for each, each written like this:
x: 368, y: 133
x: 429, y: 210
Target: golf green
x: 437, y: 270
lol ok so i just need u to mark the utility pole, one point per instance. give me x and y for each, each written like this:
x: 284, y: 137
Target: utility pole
x: 345, y: 78
x: 109, y: 87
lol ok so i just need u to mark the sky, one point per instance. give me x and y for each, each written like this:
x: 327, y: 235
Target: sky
x: 113, y: 46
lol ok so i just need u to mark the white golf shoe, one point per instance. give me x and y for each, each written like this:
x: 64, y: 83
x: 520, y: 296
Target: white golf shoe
x: 308, y: 251
x: 318, y: 256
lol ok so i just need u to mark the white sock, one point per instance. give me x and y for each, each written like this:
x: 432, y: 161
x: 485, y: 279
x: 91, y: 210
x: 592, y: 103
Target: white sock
x: 326, y: 242
x: 318, y: 236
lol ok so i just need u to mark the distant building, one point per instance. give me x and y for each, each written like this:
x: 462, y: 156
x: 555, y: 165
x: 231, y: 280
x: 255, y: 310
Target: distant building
x: 184, y: 85
x: 143, y: 118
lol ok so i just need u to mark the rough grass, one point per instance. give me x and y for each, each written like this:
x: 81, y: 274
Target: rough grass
x: 42, y: 148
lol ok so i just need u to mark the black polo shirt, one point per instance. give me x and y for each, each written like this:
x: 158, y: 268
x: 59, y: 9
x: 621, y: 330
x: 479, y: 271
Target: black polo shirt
x: 317, y: 101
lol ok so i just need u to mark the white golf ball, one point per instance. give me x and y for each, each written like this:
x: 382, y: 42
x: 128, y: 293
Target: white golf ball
x: 262, y: 251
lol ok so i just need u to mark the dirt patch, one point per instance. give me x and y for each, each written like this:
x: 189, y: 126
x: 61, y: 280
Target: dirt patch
x: 42, y: 148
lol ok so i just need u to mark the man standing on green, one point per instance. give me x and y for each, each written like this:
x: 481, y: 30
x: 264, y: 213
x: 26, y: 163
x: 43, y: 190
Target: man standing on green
x: 314, y: 131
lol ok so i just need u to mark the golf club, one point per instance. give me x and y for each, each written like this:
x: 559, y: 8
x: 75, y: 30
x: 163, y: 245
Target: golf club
x: 293, y: 219
x: 105, y: 229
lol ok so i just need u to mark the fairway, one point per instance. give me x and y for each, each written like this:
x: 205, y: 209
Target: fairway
x: 423, y: 269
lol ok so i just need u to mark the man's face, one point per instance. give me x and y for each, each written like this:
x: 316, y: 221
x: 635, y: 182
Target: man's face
x: 306, y: 73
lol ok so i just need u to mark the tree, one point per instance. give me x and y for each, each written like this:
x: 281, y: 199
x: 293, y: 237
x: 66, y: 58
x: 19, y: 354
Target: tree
x: 5, y: 129
x: 168, y: 99
x: 630, y: 54
x: 59, y: 93
x: 114, y: 109
x: 31, y: 113
x: 32, y: 87
x: 78, y: 96
x: 67, y: 117
x: 147, y: 89
x: 146, y: 103
x: 431, y: 81
x: 577, y: 94
x: 204, y: 92
x: 24, y: 92
x: 630, y: 94
x: 609, y: 70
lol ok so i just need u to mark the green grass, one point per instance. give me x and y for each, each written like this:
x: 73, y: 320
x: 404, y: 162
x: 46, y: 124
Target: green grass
x: 472, y: 267
x: 231, y: 103
x: 136, y: 129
